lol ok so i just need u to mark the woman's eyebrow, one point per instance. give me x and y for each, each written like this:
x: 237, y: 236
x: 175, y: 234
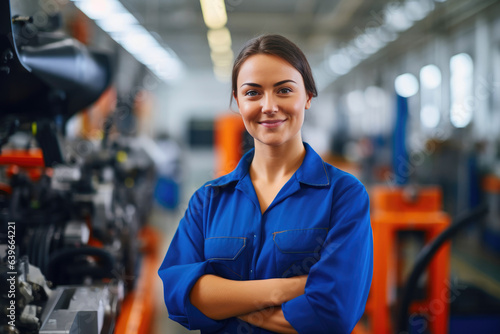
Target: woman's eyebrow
x: 275, y: 85
x: 282, y: 82
x: 250, y: 84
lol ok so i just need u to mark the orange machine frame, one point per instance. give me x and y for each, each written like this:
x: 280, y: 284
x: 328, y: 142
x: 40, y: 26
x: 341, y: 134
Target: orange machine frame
x: 228, y: 140
x: 137, y: 311
x: 391, y: 212
x: 31, y: 161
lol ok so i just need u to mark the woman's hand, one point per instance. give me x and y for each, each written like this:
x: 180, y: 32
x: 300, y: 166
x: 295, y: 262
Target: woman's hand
x: 271, y: 319
x: 219, y: 298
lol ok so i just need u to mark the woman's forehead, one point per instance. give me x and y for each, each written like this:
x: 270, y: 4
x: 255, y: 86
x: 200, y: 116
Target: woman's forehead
x: 268, y: 68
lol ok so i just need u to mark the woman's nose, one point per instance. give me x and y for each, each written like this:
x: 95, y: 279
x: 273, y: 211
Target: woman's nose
x: 269, y: 104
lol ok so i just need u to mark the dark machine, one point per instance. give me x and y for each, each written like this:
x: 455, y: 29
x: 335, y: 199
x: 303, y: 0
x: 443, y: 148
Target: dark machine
x: 70, y: 212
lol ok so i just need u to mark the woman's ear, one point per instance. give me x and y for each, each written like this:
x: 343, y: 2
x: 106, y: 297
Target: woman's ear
x: 308, y: 101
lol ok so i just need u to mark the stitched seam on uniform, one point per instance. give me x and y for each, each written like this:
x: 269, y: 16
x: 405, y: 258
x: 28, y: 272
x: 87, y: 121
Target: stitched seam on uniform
x: 226, y: 258
x: 221, y: 184
x: 301, y: 229
x: 326, y: 173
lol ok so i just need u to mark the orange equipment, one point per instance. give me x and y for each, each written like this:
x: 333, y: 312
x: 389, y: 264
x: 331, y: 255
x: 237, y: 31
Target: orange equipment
x: 30, y: 161
x: 228, y: 132
x: 491, y: 184
x: 491, y: 230
x: 138, y: 307
x: 22, y: 158
x: 393, y: 211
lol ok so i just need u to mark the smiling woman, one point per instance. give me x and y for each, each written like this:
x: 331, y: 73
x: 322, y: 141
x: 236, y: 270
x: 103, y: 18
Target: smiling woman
x: 271, y: 97
x: 282, y: 244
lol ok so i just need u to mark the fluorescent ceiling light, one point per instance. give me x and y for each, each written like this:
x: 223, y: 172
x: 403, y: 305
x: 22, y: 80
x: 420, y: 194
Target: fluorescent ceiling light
x: 462, y: 90
x: 222, y: 58
x: 355, y: 101
x: 418, y: 9
x: 430, y: 116
x: 374, y: 96
x: 214, y: 13
x: 340, y: 63
x: 112, y: 17
x: 397, y: 19
x: 430, y: 76
x: 219, y: 39
x: 406, y: 85
x: 223, y: 73
x: 116, y: 21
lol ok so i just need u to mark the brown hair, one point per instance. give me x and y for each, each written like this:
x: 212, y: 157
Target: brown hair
x: 276, y: 45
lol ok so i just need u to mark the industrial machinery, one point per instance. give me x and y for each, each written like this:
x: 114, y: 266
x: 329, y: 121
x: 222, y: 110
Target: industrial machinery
x: 70, y: 212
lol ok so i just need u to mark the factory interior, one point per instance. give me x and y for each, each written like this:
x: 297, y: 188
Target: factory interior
x: 113, y: 113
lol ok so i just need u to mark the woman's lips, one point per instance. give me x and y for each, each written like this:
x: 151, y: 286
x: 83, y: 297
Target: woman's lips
x: 272, y: 123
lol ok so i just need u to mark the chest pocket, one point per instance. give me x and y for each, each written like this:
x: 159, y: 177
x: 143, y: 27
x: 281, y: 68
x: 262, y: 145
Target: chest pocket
x: 297, y: 250
x: 226, y: 255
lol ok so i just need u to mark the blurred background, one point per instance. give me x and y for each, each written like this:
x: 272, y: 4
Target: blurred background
x: 114, y: 112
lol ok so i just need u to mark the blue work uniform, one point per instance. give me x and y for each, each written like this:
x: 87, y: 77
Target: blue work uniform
x: 318, y: 224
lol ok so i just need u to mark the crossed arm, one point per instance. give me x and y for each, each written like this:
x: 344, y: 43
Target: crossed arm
x: 257, y: 302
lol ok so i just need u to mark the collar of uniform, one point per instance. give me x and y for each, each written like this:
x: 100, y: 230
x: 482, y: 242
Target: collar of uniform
x: 312, y: 171
x: 237, y: 174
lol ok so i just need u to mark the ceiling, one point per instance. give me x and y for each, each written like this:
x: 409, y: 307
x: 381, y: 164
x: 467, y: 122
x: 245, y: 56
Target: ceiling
x: 315, y: 25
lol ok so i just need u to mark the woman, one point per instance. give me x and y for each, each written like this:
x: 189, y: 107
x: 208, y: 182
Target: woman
x: 283, y: 243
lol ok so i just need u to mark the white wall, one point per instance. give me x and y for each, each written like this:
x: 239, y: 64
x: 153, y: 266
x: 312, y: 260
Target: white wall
x: 196, y: 94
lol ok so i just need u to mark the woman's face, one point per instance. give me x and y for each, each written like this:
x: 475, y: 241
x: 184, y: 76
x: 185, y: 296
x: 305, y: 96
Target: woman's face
x: 272, y: 98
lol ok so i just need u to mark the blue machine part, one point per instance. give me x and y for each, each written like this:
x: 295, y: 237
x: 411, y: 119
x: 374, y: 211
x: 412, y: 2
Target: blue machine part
x: 167, y: 193
x: 400, y: 159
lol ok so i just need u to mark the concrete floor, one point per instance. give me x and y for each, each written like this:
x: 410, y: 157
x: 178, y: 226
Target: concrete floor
x: 166, y: 222
x: 197, y: 169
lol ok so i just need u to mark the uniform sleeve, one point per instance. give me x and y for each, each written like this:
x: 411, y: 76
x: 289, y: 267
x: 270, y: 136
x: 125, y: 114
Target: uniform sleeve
x: 338, y: 284
x: 183, y: 265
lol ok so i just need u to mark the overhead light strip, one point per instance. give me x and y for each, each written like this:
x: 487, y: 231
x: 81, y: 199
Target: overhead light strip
x: 398, y: 17
x: 112, y: 17
x: 214, y: 13
x: 219, y: 38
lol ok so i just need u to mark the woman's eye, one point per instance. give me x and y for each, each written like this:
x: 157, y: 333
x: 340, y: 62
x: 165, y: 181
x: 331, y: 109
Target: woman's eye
x: 251, y: 93
x: 284, y: 90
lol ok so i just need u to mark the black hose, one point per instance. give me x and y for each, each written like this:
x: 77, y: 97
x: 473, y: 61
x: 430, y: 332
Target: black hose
x: 46, y: 251
x: 426, y: 255
x: 67, y: 255
x: 12, y: 128
x: 108, y: 123
x: 40, y: 250
x: 35, y: 245
x: 15, y: 200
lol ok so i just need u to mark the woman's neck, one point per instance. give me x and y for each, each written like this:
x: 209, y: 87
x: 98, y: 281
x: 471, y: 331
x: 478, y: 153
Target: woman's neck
x: 272, y: 163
